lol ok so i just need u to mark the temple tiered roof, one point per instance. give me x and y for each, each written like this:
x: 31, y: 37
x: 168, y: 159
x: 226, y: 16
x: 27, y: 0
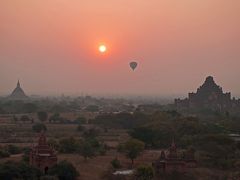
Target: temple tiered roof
x: 209, y: 95
x: 18, y: 93
x: 42, y: 156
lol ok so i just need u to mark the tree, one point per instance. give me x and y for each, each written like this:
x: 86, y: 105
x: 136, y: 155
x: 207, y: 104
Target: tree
x: 147, y: 135
x: 144, y: 173
x: 87, y: 150
x: 2, y: 111
x: 15, y: 119
x: 90, y: 133
x: 92, y: 108
x: 13, y: 149
x: 30, y: 108
x: 42, y: 116
x: 4, y: 153
x: 68, y: 145
x: 80, y: 128
x: 133, y: 149
x: 116, y: 163
x: 18, y: 170
x: 55, y: 117
x: 64, y: 171
x: 81, y: 120
x: 26, y: 152
x: 39, y: 127
x: 216, y: 150
x: 25, y: 118
x: 53, y: 143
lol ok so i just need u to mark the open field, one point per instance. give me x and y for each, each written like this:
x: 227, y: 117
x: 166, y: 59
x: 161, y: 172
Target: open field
x: 22, y: 135
x: 94, y: 168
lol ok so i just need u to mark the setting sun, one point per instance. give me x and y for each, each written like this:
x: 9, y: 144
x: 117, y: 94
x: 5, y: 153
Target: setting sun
x: 102, y: 48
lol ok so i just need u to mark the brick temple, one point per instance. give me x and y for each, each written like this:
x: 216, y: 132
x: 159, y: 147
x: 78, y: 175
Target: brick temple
x: 42, y: 156
x: 170, y: 161
x: 210, y: 96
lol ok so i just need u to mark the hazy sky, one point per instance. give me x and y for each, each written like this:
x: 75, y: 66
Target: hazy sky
x: 51, y: 45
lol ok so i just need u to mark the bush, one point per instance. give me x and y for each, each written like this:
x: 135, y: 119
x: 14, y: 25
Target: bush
x: 4, y: 153
x: 25, y: 118
x: 80, y: 128
x: 25, y: 156
x: 42, y: 116
x: 92, y: 108
x: 81, y: 120
x: 91, y: 133
x: 133, y: 148
x: 55, y: 117
x: 69, y: 145
x: 144, y: 173
x: 64, y: 171
x: 102, y: 150
x: 12, y: 149
x: 39, y: 127
x: 87, y: 150
x: 54, y: 144
x: 18, y: 170
x: 116, y: 163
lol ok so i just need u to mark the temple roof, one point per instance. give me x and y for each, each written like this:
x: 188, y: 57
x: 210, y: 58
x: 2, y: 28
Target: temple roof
x: 18, y: 93
x: 209, y: 87
x: 42, y: 148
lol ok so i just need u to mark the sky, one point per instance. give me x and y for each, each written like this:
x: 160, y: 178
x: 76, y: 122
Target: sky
x: 52, y: 46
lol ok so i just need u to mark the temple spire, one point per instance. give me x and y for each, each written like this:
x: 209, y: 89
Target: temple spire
x: 18, y: 93
x: 18, y: 84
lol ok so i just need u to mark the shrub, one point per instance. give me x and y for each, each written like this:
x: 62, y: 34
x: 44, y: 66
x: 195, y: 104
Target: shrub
x: 80, y: 128
x: 42, y: 116
x: 116, y: 163
x: 68, y: 145
x: 26, y: 152
x: 18, y: 170
x: 4, y: 153
x: 12, y: 149
x: 144, y: 173
x: 91, y: 133
x: 64, y: 171
x: 25, y: 118
x: 81, y: 120
x: 133, y: 148
x: 87, y: 150
x: 53, y: 143
x: 39, y: 127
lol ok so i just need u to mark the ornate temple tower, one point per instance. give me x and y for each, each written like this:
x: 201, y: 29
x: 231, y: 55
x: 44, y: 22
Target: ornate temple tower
x: 42, y: 156
x: 18, y: 93
x: 208, y: 96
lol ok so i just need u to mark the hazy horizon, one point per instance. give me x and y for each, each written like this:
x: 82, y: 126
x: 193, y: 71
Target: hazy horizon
x: 51, y: 46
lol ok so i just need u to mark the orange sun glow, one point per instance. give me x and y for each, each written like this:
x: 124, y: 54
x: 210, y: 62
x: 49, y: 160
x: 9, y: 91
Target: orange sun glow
x: 102, y: 48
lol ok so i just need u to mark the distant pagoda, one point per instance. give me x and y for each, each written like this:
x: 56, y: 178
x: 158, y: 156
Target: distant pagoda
x: 18, y: 93
x: 210, y: 96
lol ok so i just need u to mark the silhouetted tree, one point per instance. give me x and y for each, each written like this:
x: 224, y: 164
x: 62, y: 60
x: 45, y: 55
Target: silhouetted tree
x: 39, y: 127
x: 42, y: 116
x: 64, y: 170
x: 133, y: 149
x: 144, y: 173
x: 87, y: 150
x: 30, y: 108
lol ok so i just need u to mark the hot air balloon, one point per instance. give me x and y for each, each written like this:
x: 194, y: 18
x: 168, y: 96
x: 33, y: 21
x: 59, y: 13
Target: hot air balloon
x: 133, y: 65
